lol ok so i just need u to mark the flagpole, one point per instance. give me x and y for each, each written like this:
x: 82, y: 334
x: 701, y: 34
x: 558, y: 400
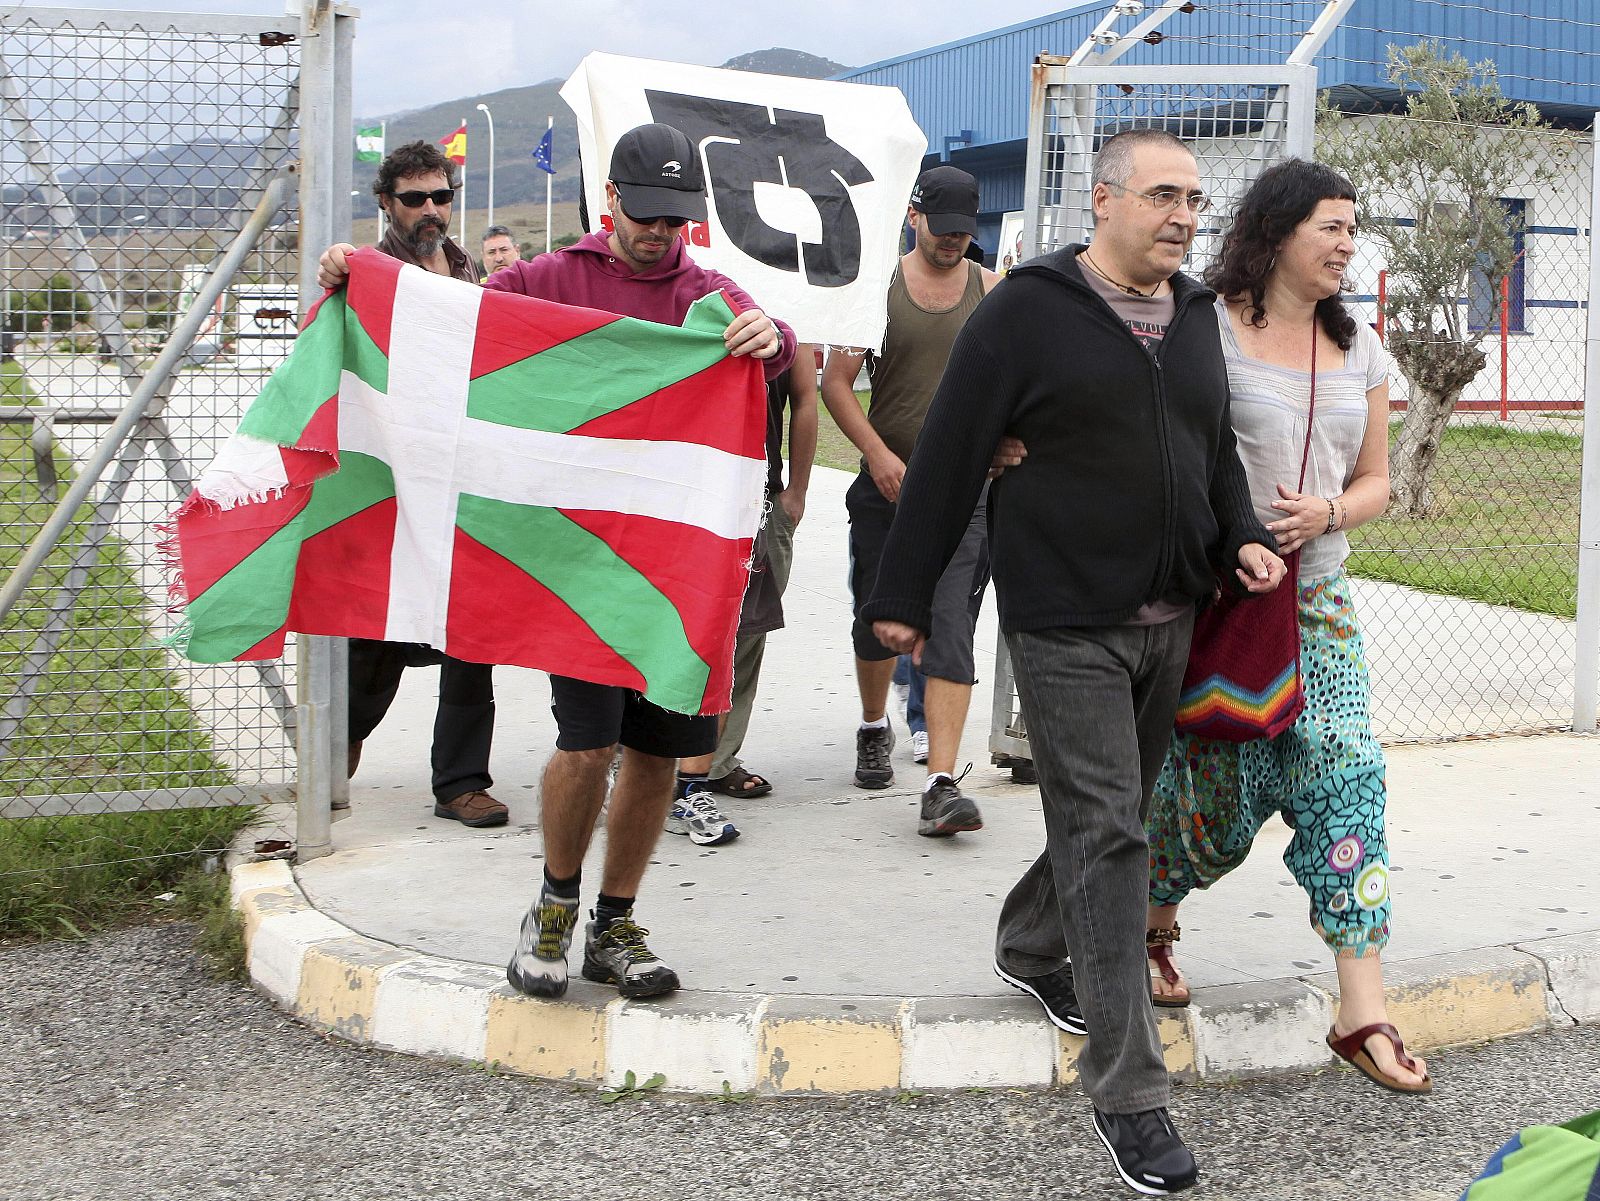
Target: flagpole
x: 465, y: 242
x: 548, y: 180
x: 383, y: 136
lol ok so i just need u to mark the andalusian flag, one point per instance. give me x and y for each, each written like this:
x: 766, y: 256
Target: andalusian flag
x: 369, y: 144
x: 505, y: 479
x: 455, y: 145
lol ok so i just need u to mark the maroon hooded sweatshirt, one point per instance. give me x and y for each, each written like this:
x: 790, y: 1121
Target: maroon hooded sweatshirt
x: 587, y: 274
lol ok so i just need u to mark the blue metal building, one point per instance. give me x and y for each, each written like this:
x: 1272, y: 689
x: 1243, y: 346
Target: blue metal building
x: 971, y: 97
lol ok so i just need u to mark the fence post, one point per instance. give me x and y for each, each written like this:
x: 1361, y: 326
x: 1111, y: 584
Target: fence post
x: 1587, y: 656
x: 1505, y: 344
x: 314, y: 657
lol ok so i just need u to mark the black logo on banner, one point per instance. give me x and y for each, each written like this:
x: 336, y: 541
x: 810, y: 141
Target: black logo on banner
x: 742, y: 145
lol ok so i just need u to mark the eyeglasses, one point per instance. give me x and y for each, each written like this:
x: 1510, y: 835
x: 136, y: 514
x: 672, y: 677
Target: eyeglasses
x: 415, y: 200
x: 672, y: 222
x: 1167, y: 199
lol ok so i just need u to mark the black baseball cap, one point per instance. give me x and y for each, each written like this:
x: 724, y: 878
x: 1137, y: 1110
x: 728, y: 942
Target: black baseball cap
x: 948, y: 197
x: 657, y: 171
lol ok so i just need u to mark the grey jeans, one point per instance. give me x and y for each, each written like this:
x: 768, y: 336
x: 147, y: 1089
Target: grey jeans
x: 1099, y: 704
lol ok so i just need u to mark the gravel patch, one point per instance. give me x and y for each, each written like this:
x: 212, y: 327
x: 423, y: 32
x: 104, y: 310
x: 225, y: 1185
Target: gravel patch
x: 130, y: 1073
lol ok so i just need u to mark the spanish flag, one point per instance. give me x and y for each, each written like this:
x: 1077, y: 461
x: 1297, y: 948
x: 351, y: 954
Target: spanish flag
x: 455, y: 145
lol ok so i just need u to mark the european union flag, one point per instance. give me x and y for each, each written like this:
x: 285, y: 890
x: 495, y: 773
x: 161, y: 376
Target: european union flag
x: 543, y: 151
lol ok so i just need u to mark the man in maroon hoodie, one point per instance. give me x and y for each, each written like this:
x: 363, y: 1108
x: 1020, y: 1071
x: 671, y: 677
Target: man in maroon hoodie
x: 639, y: 268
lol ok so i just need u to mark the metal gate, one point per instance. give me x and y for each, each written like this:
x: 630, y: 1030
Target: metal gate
x: 165, y: 180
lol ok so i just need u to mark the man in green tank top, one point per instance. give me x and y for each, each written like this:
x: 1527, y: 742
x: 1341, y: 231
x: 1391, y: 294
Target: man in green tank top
x: 933, y: 292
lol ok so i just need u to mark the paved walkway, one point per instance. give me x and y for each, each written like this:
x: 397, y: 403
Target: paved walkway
x: 830, y: 909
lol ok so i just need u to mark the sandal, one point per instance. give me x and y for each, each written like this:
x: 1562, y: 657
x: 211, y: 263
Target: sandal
x: 740, y: 783
x: 1158, y: 942
x: 1352, y: 1048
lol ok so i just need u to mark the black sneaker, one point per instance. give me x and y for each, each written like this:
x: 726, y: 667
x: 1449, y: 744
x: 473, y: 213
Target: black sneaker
x: 616, y: 954
x: 946, y: 810
x: 1055, y: 992
x: 873, y: 745
x: 1149, y: 1155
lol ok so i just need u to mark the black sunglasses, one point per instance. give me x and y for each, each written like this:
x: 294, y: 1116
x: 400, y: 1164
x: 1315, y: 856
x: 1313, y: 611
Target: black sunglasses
x: 415, y: 200
x: 672, y: 222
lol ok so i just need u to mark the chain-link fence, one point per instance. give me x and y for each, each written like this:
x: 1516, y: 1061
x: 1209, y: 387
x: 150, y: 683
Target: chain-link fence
x: 1468, y: 586
x: 138, y: 146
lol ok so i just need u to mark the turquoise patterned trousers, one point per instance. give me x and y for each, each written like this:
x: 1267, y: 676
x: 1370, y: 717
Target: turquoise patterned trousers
x: 1324, y: 776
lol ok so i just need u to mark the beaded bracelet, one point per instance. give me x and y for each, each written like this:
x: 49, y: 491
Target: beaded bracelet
x: 1333, y: 523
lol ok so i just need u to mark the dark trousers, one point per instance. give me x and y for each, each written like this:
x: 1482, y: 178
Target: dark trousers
x: 1099, y: 704
x: 463, y: 725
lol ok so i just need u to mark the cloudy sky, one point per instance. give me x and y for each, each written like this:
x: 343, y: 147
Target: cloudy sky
x: 413, y: 53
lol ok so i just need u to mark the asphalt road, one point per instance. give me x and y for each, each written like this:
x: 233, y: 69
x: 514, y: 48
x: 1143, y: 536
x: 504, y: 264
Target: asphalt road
x: 127, y: 1072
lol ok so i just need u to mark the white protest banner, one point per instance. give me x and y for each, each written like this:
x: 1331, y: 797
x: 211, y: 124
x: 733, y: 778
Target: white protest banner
x: 808, y: 180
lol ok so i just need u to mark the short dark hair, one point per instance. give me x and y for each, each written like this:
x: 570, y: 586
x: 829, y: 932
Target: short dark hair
x: 1281, y: 198
x: 1113, y: 162
x: 499, y: 231
x: 414, y: 158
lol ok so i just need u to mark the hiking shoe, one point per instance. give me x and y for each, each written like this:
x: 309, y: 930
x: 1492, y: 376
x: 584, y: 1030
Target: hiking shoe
x: 696, y: 814
x: 919, y: 746
x: 538, y: 966
x: 475, y: 809
x: 946, y: 810
x: 616, y: 954
x: 1149, y: 1155
x: 1055, y: 992
x: 873, y: 744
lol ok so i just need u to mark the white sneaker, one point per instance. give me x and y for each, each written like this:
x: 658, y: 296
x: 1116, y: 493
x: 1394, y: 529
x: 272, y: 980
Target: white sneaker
x: 919, y: 746
x: 697, y: 816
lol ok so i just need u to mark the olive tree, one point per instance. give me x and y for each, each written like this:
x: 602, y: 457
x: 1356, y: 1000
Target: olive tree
x: 1431, y: 182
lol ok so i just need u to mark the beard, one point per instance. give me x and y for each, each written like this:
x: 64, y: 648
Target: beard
x: 425, y: 237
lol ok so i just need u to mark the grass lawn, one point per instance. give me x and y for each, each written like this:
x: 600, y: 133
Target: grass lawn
x: 1504, y: 528
x: 109, y: 716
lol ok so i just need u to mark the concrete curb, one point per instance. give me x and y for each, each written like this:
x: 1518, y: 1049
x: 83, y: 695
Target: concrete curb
x: 367, y: 991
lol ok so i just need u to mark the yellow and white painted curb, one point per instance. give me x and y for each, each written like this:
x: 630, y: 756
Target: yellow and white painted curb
x: 372, y: 992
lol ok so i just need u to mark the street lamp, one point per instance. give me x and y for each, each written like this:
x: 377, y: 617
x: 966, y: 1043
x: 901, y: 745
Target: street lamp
x: 484, y: 109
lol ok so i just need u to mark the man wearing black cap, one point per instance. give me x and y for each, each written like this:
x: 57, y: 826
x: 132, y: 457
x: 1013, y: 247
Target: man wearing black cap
x: 639, y: 267
x: 933, y: 292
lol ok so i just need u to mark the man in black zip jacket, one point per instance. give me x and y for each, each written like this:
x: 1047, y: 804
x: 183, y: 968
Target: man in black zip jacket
x: 1105, y: 363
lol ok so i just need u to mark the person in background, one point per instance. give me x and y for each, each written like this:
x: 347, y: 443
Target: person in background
x: 499, y: 249
x: 695, y: 812
x: 416, y: 187
x: 934, y: 291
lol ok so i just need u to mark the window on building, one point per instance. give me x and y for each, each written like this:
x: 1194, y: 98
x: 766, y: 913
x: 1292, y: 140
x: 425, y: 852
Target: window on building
x: 1483, y: 293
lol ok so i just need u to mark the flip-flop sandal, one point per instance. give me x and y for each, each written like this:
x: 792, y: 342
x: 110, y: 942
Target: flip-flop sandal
x: 1158, y: 949
x: 740, y: 783
x: 1352, y: 1048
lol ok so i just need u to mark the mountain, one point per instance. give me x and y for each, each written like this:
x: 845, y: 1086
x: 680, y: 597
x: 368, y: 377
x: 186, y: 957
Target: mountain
x: 780, y: 61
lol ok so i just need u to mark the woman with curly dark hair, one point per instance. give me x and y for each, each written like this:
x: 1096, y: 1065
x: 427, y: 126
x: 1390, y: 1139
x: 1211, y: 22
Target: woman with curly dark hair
x: 1291, y: 348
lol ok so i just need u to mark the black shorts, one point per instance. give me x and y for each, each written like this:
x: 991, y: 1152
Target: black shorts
x: 590, y: 717
x: 957, y: 600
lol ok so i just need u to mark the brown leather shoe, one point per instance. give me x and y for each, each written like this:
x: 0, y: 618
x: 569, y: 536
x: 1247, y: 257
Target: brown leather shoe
x: 352, y: 759
x: 474, y: 809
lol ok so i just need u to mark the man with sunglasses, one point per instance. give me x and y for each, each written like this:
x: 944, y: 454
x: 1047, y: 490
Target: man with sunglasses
x: 415, y: 188
x: 1106, y: 362
x: 640, y: 267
